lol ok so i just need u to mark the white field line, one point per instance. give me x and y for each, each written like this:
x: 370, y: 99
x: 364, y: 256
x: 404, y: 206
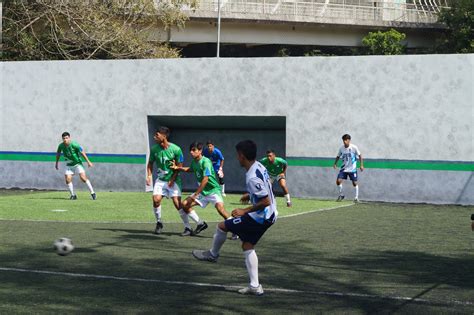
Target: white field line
x: 234, y: 288
x: 150, y: 222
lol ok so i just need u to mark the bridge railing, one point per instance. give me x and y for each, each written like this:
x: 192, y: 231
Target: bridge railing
x: 313, y: 11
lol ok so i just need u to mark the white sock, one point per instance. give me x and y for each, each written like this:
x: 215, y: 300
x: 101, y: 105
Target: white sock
x: 157, y: 213
x: 218, y: 241
x: 357, y: 191
x: 71, y: 188
x: 184, y: 217
x: 251, y: 261
x: 287, y: 196
x: 223, y: 189
x: 89, y: 185
x: 194, y: 216
x: 340, y: 189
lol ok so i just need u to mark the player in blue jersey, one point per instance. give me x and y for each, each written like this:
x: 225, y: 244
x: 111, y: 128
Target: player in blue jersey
x: 349, y: 154
x: 215, y: 155
x: 249, y: 223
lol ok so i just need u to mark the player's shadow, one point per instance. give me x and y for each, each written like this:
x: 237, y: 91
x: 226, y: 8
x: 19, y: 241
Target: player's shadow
x: 147, y: 234
x: 76, y: 250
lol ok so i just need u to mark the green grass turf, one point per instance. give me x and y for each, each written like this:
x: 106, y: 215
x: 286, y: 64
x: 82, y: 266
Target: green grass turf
x: 123, y: 206
x: 371, y: 250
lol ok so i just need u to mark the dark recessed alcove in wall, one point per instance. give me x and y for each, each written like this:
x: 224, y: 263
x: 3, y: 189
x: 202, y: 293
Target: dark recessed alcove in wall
x: 269, y: 132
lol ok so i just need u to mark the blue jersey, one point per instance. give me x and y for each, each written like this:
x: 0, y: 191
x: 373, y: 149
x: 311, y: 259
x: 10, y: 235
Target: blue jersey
x: 259, y: 186
x: 216, y: 157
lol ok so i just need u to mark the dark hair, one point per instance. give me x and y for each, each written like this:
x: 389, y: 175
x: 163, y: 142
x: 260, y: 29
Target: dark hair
x: 346, y: 137
x: 65, y: 134
x: 248, y: 148
x: 195, y: 145
x: 270, y: 151
x: 164, y: 130
x: 209, y: 142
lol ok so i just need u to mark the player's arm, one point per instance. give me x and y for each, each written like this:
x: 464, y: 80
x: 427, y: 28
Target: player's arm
x: 260, y: 205
x: 149, y: 171
x: 178, y: 167
x: 361, y: 163
x: 175, y: 174
x: 58, y: 155
x: 335, y: 162
x: 245, y: 198
x: 285, y: 166
x: 199, y: 190
x: 89, y: 163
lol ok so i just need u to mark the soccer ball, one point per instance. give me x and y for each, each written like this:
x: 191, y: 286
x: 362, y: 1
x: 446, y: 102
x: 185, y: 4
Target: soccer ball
x: 63, y: 246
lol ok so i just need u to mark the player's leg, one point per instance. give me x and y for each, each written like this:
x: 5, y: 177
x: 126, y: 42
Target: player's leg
x: 340, y: 177
x: 282, y: 182
x: 156, y: 198
x: 222, y: 184
x: 217, y: 241
x: 188, y: 205
x: 223, y: 213
x: 354, y: 179
x: 70, y: 186
x: 83, y: 176
x: 251, y: 262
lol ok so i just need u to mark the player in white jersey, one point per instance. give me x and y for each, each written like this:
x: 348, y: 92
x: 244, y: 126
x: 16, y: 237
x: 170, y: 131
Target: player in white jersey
x: 248, y: 223
x: 349, y: 154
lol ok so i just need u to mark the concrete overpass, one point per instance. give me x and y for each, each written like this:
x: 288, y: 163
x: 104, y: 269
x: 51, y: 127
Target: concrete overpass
x: 309, y: 22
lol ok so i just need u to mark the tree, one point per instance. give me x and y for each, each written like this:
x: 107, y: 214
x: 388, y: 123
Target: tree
x: 459, y: 18
x: 89, y: 29
x: 384, y: 43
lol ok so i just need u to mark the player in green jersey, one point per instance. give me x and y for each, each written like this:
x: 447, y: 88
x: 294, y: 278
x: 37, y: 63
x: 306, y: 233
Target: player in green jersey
x: 168, y: 182
x: 276, y: 167
x: 209, y: 190
x: 72, y: 152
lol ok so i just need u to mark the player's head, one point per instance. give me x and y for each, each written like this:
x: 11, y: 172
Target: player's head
x: 246, y: 151
x: 271, y: 155
x: 195, y: 149
x: 210, y: 146
x: 66, y: 137
x: 346, y: 139
x: 162, y: 134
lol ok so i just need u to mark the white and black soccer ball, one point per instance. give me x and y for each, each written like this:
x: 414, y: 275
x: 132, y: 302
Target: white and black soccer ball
x: 63, y: 246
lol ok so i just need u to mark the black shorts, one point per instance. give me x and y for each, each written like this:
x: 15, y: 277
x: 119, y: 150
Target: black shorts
x: 247, y: 228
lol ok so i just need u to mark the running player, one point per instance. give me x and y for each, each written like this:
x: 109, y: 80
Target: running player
x: 72, y: 152
x: 215, y: 155
x: 349, y: 154
x: 168, y: 182
x: 249, y: 223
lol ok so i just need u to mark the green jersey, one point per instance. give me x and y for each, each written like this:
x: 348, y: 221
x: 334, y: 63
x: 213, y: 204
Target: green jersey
x: 163, y: 157
x: 275, y: 168
x: 71, y: 153
x: 202, y: 168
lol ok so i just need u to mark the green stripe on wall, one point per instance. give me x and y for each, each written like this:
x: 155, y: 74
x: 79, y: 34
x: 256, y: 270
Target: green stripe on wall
x: 391, y: 164
x: 52, y: 158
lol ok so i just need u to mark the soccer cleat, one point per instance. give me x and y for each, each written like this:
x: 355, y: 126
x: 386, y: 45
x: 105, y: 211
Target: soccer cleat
x: 200, y: 227
x: 234, y: 237
x: 251, y: 290
x: 356, y: 200
x: 187, y: 232
x: 224, y: 195
x: 94, y: 196
x: 158, y: 228
x: 288, y: 204
x: 73, y: 197
x: 204, y: 255
x: 340, y: 198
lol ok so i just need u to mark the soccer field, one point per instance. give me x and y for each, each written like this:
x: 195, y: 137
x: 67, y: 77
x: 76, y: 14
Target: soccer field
x: 320, y: 256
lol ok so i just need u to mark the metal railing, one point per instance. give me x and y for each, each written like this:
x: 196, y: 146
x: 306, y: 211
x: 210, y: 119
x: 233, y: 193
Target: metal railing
x: 322, y: 11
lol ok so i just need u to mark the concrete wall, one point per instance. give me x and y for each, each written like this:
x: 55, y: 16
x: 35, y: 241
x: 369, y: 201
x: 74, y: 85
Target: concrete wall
x: 418, y: 109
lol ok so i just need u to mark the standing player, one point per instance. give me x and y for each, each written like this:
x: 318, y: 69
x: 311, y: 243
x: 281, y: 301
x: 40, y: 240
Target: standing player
x: 168, y: 182
x: 349, y: 154
x: 249, y: 223
x: 72, y: 152
x: 208, y: 190
x: 276, y: 167
x: 215, y: 155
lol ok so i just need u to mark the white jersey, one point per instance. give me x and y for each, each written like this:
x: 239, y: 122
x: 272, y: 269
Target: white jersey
x: 349, y: 157
x: 259, y: 186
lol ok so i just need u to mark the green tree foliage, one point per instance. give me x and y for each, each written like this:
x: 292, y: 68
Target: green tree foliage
x: 89, y: 29
x: 459, y: 18
x: 384, y: 43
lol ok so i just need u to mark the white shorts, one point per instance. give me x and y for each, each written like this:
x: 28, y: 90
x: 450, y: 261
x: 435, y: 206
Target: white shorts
x: 162, y: 188
x: 203, y: 201
x: 72, y: 170
x: 276, y: 178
